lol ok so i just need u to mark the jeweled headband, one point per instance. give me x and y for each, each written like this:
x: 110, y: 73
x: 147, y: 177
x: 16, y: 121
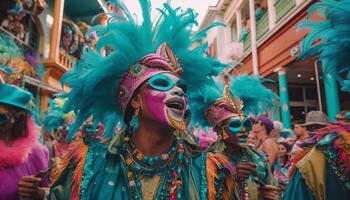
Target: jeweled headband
x: 162, y: 61
x: 224, y: 108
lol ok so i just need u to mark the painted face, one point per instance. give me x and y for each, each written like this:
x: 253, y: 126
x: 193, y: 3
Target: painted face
x: 238, y: 127
x: 164, y: 98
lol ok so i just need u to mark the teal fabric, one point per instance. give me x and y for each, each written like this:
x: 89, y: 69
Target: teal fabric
x: 334, y: 188
x: 15, y: 96
x: 104, y: 176
x: 244, y: 34
x: 297, y: 188
x: 259, y: 13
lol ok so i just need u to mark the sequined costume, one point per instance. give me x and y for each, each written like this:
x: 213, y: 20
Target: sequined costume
x: 225, y: 109
x: 150, y: 56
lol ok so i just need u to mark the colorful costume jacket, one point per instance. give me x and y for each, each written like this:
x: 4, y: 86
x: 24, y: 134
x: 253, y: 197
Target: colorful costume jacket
x: 98, y: 171
x: 322, y: 170
x: 247, y: 154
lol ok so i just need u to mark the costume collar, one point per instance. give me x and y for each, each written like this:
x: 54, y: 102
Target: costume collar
x: 19, y: 150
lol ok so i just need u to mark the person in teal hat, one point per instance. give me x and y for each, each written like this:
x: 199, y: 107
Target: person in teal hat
x: 22, y: 157
x: 141, y: 86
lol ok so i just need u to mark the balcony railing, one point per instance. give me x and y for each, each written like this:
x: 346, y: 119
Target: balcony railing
x: 283, y: 7
x: 66, y: 60
x: 246, y: 43
x: 262, y: 26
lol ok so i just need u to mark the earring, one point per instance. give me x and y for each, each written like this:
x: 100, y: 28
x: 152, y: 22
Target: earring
x: 134, y: 123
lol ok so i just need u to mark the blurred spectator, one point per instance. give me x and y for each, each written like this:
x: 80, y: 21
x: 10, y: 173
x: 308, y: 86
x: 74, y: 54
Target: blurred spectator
x: 23, y: 160
x: 266, y: 145
x: 276, y: 131
x: 259, y: 11
x: 314, y: 120
x: 343, y: 116
x: 301, y: 134
x: 282, y: 165
x: 252, y: 139
x: 245, y: 30
x: 291, y: 140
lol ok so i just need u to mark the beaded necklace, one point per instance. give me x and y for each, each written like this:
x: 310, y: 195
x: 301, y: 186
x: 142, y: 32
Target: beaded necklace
x: 169, y: 166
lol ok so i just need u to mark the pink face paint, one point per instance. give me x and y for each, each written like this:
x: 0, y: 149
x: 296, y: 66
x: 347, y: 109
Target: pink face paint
x: 155, y: 102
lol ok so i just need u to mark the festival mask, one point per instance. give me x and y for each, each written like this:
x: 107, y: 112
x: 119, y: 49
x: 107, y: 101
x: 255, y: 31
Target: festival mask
x: 238, y: 127
x: 164, y: 98
x: 226, y: 114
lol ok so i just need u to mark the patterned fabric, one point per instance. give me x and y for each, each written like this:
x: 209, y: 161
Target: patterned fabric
x: 108, y: 178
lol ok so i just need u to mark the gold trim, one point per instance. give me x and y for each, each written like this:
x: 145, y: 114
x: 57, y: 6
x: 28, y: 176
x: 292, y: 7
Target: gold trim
x: 178, y: 125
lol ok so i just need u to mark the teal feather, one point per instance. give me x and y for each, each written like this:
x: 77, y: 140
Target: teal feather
x: 6, y: 69
x: 256, y: 97
x: 199, y: 101
x: 54, y: 117
x: 95, y: 79
x: 8, y: 48
x: 329, y: 40
x: 250, y: 89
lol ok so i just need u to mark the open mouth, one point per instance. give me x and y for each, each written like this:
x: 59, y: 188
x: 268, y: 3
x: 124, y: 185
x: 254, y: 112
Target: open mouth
x: 176, y: 104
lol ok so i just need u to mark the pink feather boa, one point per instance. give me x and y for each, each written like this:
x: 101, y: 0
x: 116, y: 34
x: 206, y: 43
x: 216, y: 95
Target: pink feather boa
x: 19, y: 150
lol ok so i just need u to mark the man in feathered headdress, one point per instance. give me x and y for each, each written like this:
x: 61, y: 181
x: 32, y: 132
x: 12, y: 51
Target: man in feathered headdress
x: 55, y: 127
x: 141, y: 85
x: 322, y: 169
x: 226, y: 110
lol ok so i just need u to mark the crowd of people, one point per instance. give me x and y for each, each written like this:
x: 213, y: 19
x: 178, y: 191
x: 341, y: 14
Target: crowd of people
x: 151, y: 121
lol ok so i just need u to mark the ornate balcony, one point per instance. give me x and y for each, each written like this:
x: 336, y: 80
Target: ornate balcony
x: 246, y: 43
x: 262, y: 26
x: 283, y: 7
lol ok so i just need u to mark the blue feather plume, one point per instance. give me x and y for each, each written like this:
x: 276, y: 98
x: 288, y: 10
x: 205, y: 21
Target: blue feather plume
x: 329, y: 39
x: 95, y: 79
x: 256, y: 97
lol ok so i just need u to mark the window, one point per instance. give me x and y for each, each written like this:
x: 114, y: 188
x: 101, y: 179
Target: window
x: 295, y: 93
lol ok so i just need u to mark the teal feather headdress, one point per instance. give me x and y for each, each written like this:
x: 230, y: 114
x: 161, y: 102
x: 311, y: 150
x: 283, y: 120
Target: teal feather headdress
x: 96, y: 79
x: 330, y: 39
x: 245, y: 95
x: 54, y: 115
x: 256, y: 97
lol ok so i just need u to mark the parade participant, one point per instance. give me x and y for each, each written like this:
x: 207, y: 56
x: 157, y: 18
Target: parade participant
x: 226, y: 110
x: 321, y: 171
x: 55, y: 126
x: 56, y: 123
x: 266, y: 145
x: 22, y: 157
x: 282, y: 165
x: 141, y: 84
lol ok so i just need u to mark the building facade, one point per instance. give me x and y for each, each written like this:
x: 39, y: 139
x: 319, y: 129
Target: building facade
x: 263, y: 36
x: 50, y: 34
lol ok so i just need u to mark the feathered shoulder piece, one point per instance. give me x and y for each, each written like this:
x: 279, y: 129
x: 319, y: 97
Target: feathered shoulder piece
x: 329, y: 39
x: 334, y: 142
x: 102, y: 85
x: 221, y: 175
